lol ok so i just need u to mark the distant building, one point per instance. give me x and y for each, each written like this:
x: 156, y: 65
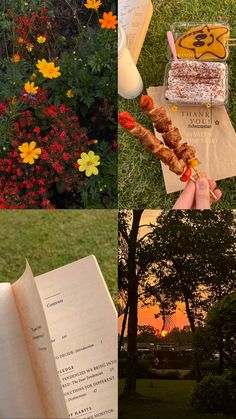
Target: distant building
x: 146, y: 346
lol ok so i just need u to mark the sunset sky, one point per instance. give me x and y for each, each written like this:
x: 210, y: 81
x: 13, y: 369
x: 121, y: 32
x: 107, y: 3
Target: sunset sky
x: 146, y: 315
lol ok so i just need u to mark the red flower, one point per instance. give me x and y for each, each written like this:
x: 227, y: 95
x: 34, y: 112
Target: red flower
x: 63, y: 108
x: 22, y: 186
x: 51, y: 111
x: 63, y: 133
x: 66, y: 156
x: 2, y: 109
x: 57, y: 167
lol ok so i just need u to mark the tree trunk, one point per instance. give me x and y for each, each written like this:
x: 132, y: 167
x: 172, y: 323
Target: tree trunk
x: 193, y: 328
x: 220, y: 347
x: 130, y: 382
x: 123, y: 328
x: 221, y: 354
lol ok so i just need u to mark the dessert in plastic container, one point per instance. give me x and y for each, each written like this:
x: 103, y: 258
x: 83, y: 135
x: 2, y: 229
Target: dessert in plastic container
x: 196, y: 82
x: 201, y: 41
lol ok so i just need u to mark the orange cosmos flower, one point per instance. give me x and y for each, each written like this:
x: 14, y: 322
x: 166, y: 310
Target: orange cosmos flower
x: 29, y: 153
x: 109, y: 21
x: 16, y: 58
x: 93, y: 4
x: 30, y: 88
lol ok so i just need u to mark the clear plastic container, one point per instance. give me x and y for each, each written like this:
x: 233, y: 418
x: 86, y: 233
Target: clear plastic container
x: 189, y: 82
x: 201, y: 41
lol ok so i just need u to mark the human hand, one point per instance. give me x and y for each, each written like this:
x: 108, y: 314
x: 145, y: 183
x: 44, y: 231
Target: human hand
x: 197, y: 195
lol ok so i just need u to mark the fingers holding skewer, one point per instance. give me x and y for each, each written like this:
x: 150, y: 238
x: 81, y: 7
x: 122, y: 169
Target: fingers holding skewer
x: 197, y: 193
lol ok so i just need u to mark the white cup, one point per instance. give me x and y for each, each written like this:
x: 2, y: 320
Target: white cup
x: 130, y: 84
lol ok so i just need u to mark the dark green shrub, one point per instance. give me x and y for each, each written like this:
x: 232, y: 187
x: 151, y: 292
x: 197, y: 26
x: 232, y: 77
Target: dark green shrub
x: 143, y: 368
x: 167, y: 375
x: 213, y: 394
x: 210, y: 367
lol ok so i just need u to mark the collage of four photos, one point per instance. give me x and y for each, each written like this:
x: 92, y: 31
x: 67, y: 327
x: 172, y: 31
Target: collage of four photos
x: 118, y: 209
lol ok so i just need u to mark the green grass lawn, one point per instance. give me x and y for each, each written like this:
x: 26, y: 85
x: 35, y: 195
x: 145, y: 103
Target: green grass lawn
x: 167, y: 399
x: 140, y: 178
x: 51, y: 239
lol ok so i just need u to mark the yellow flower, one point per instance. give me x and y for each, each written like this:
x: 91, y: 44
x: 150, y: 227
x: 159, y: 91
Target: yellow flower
x: 88, y: 162
x: 70, y: 94
x: 175, y: 108
x: 29, y: 47
x: 48, y: 70
x: 41, y: 39
x: 109, y: 21
x: 29, y: 153
x: 16, y: 58
x: 93, y: 4
x: 30, y: 88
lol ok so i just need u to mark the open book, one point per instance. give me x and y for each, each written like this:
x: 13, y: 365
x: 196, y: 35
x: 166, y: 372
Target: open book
x: 135, y: 17
x: 58, y: 345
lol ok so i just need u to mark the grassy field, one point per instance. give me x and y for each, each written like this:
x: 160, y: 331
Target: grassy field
x: 167, y: 399
x: 50, y: 239
x: 140, y: 177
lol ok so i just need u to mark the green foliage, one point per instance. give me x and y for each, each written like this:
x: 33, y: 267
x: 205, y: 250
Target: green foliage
x: 147, y: 333
x: 6, y: 124
x: 5, y: 23
x: 89, y: 71
x: 213, y: 394
x: 101, y: 189
x: 202, y: 342
x: 86, y: 55
x: 13, y: 77
x: 221, y: 326
x: 179, y: 336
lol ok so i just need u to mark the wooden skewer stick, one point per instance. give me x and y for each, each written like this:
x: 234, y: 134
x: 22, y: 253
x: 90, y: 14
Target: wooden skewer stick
x: 211, y: 192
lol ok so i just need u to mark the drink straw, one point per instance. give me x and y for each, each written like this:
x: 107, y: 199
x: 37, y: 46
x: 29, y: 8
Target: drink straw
x: 171, y: 41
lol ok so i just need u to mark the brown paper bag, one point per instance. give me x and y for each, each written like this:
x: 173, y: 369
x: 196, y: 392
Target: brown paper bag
x: 210, y: 131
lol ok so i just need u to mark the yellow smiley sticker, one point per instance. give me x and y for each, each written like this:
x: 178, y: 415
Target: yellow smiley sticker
x: 203, y: 42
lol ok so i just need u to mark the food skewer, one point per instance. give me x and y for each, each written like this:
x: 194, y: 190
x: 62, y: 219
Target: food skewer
x: 179, y: 157
x: 152, y: 143
x: 172, y: 137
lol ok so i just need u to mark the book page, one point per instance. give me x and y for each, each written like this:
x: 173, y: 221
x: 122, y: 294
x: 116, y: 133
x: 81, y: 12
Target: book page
x: 37, y: 338
x: 19, y: 397
x: 135, y: 17
x: 83, y: 327
x: 126, y: 10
